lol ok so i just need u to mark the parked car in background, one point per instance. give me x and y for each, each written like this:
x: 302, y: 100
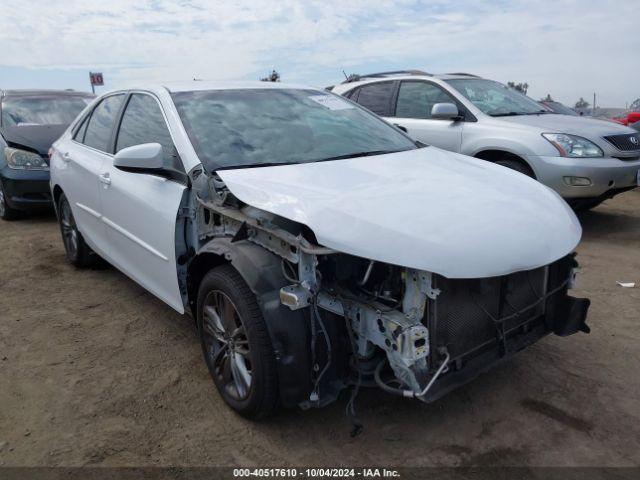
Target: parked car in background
x: 30, y: 121
x: 629, y: 119
x: 557, y: 107
x: 315, y: 245
x: 585, y: 160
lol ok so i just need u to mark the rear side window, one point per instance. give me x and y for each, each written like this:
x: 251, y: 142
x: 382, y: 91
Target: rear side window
x: 376, y: 97
x: 416, y: 99
x: 99, y: 128
x: 143, y: 122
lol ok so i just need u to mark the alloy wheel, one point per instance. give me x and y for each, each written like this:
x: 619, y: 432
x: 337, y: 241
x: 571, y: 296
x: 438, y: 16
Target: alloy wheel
x: 3, y: 207
x: 227, y: 345
x: 69, y: 229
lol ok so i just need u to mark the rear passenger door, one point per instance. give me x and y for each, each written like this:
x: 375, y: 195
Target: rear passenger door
x: 140, y: 210
x: 81, y: 167
x: 413, y: 106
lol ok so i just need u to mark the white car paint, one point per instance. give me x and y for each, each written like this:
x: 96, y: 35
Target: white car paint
x: 129, y: 219
x: 426, y: 209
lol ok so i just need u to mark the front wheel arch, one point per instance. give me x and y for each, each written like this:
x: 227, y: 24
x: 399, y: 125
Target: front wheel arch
x: 289, y: 329
x: 497, y: 156
x: 57, y: 192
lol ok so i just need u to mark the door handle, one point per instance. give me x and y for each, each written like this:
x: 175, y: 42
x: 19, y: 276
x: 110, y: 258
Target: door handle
x: 66, y: 158
x: 105, y: 178
x: 404, y: 129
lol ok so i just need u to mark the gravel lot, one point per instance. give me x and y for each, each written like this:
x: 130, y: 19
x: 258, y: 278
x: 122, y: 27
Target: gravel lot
x: 95, y: 371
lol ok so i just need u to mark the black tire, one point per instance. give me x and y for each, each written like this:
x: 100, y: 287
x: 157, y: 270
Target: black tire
x: 78, y: 252
x: 237, y: 342
x: 517, y: 166
x: 584, y: 205
x: 6, y: 212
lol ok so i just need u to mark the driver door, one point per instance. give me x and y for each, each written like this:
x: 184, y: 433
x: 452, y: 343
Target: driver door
x: 140, y: 210
x: 413, y: 112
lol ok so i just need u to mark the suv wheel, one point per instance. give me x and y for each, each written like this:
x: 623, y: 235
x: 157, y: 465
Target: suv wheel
x: 236, y: 344
x: 78, y: 252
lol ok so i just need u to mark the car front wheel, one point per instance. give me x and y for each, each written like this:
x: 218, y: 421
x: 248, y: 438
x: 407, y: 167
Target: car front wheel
x: 236, y: 344
x: 6, y: 212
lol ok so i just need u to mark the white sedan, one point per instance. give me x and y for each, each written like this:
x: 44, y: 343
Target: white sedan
x: 317, y: 247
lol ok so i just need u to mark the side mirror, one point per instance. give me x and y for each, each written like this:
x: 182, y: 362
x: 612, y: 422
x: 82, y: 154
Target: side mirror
x: 445, y: 111
x: 145, y: 158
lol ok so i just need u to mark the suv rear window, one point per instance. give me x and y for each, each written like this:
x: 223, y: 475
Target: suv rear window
x: 376, y: 97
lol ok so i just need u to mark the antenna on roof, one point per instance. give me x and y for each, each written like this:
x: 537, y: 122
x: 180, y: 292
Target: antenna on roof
x: 345, y: 75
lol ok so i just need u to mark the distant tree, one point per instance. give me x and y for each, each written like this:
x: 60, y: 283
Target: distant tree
x: 520, y: 87
x: 635, y: 106
x: 547, y: 98
x: 273, y: 77
x: 582, y: 103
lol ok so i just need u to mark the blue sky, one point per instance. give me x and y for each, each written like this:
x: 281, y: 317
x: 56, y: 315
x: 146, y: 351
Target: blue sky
x: 568, y: 48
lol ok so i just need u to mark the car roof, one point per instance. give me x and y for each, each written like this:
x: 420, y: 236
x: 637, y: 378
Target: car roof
x: 43, y: 92
x: 202, y: 85
x: 357, y: 80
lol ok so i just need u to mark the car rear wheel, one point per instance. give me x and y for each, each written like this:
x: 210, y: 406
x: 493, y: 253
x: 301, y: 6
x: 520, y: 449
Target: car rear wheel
x: 236, y: 344
x: 78, y: 252
x: 6, y: 212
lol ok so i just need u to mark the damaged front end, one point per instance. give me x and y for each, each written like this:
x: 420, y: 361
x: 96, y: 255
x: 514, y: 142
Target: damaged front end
x: 337, y: 320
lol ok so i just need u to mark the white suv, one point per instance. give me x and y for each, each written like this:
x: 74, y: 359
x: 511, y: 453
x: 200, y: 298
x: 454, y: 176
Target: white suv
x: 585, y: 160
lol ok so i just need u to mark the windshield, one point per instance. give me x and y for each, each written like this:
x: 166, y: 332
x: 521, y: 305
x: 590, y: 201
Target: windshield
x: 259, y: 127
x: 42, y: 110
x: 557, y: 107
x: 496, y: 99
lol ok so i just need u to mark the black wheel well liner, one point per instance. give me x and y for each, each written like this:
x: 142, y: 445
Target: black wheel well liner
x: 57, y: 191
x: 289, y: 330
x: 493, y: 155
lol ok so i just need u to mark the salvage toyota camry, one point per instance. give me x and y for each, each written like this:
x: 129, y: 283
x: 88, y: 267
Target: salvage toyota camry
x: 317, y: 247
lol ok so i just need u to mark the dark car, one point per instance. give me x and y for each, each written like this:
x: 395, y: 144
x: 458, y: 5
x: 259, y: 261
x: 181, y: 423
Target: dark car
x: 30, y: 121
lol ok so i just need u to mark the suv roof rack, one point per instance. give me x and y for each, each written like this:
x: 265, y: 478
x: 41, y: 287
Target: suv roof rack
x: 462, y: 74
x: 354, y: 77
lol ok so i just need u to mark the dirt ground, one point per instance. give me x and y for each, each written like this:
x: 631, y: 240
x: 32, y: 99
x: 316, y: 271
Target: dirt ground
x: 95, y: 371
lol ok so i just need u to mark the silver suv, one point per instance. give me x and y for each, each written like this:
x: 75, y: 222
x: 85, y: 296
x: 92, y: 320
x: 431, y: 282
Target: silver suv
x: 585, y: 160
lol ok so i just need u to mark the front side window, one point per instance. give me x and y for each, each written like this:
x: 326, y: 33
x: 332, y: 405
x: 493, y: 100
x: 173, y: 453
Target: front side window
x: 79, y: 135
x: 42, y: 110
x: 416, y: 99
x: 496, y: 99
x: 143, y: 122
x: 99, y: 128
x: 236, y: 128
x: 376, y: 97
